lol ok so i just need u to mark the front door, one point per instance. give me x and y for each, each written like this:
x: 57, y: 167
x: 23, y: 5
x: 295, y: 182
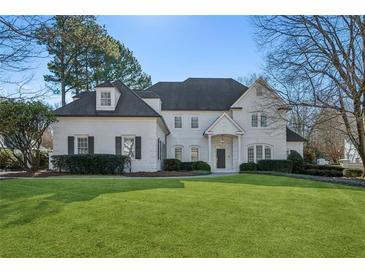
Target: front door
x: 221, y: 158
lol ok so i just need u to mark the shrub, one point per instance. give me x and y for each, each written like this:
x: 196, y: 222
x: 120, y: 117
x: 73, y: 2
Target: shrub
x: 275, y: 165
x: 248, y: 166
x: 186, y: 166
x: 8, y: 161
x: 43, y: 160
x: 323, y: 172
x: 323, y: 167
x: 172, y: 164
x: 297, y: 160
x: 352, y: 172
x: 90, y: 163
x: 200, y: 165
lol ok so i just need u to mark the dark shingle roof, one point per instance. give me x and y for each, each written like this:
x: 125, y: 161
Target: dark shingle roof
x: 146, y: 94
x: 199, y: 93
x: 292, y: 136
x: 129, y: 105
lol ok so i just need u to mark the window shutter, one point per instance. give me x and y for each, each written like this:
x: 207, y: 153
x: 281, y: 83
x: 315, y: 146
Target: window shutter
x: 71, y: 145
x: 158, y: 148
x: 138, y: 147
x: 118, y: 145
x: 90, y: 140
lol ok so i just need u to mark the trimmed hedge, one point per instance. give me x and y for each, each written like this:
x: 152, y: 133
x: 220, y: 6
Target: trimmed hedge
x: 248, y: 167
x: 352, y: 172
x: 323, y: 172
x: 323, y: 167
x: 186, y: 166
x: 172, y: 165
x: 285, y: 166
x: 200, y: 165
x: 297, y: 160
x: 90, y: 163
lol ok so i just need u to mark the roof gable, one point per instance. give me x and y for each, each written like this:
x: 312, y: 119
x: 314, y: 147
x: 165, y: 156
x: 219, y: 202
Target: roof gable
x: 252, y: 88
x: 224, y: 124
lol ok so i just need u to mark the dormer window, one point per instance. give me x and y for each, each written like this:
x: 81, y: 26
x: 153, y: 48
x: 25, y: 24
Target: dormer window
x: 105, y: 98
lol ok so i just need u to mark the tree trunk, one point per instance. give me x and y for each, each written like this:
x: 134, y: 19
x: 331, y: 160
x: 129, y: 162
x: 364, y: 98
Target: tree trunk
x: 63, y: 93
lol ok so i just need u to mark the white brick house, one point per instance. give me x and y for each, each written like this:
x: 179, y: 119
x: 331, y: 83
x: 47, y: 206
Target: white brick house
x: 216, y: 120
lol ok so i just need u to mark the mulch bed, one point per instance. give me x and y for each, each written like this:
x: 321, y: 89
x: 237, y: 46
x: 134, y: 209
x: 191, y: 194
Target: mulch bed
x: 42, y: 173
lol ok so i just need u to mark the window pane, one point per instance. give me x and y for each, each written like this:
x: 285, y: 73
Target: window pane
x: 82, y: 145
x: 178, y: 122
x: 106, y: 99
x: 194, y: 122
x: 128, y: 146
x: 263, y: 120
x: 194, y: 154
x: 267, y: 153
x: 259, y: 91
x: 258, y: 153
x: 250, y: 154
x: 254, y: 120
x: 178, y: 153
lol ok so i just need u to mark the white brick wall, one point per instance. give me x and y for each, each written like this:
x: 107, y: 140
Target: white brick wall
x: 104, y: 130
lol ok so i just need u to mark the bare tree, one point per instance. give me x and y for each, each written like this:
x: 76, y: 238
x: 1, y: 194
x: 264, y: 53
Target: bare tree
x: 18, y: 48
x: 324, y: 56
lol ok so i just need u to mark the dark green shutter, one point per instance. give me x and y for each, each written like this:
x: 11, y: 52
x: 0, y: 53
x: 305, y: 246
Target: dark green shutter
x: 138, y: 147
x: 91, y: 144
x: 118, y: 145
x: 158, y: 148
x: 71, y: 145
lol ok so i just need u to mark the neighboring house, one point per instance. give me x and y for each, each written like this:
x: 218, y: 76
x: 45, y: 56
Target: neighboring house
x: 219, y: 121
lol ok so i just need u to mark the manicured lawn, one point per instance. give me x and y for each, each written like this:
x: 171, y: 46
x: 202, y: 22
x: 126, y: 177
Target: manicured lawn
x: 235, y: 216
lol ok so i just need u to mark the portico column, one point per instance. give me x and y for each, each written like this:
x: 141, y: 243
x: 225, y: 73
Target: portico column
x: 239, y: 149
x: 209, y: 149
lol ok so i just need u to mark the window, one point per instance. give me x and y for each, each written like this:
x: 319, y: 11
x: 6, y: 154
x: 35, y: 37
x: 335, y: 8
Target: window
x: 178, y: 153
x: 263, y: 120
x: 194, y: 122
x: 106, y: 99
x: 194, y: 154
x: 258, y: 91
x: 128, y: 147
x: 82, y: 145
x: 255, y: 117
x: 258, y: 153
x: 254, y: 120
x: 178, y: 122
x: 267, y: 153
x: 251, y: 154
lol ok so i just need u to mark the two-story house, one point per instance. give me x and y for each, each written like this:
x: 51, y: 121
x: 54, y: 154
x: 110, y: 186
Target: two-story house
x: 217, y: 120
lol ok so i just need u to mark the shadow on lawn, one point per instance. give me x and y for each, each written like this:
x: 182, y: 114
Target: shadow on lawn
x: 25, y: 201
x: 277, y: 181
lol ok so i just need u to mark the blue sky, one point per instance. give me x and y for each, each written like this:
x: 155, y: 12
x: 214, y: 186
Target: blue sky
x: 173, y: 48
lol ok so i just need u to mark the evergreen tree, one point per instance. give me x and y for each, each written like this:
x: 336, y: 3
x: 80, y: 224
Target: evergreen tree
x: 123, y: 66
x: 63, y: 38
x: 84, y: 55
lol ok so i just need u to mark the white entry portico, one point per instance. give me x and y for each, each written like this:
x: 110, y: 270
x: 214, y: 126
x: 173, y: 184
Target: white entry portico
x: 224, y: 144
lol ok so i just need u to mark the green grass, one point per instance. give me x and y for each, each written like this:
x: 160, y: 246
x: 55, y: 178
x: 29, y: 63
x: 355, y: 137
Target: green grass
x: 235, y: 216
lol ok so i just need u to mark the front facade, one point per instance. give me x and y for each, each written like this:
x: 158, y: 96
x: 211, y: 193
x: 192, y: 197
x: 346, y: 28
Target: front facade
x: 219, y: 121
